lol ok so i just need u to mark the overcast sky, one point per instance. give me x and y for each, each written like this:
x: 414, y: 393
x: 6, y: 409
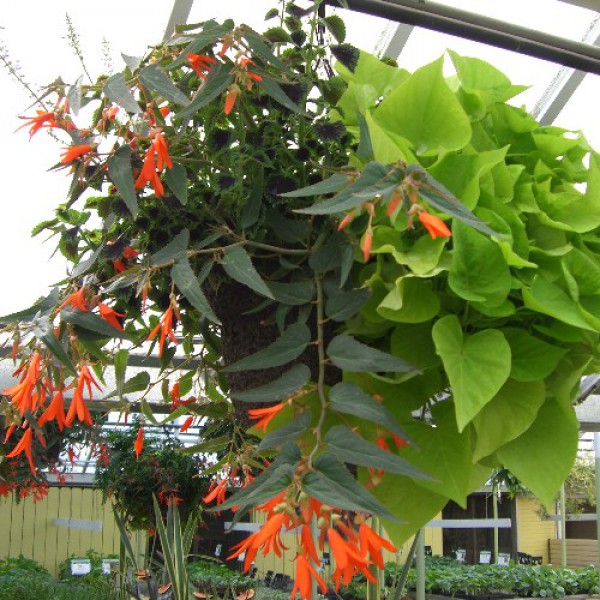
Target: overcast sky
x: 34, y: 33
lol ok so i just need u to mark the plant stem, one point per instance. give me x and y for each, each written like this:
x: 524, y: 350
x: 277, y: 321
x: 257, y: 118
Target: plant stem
x: 405, y: 570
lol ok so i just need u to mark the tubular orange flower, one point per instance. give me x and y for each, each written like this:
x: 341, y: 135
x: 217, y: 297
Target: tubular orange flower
x: 367, y: 243
x: 74, y: 152
x: 216, y: 492
x: 372, y: 544
x: 161, y: 148
x: 54, y: 412
x: 165, y: 326
x: 110, y: 315
x: 434, y: 225
x: 79, y: 406
x: 346, y: 221
x: 43, y: 119
x: 200, y: 63
x: 232, y: 93
x: 148, y: 174
x: 24, y: 445
x: 186, y: 424
x: 305, y: 572
x: 138, y: 445
x: 393, y: 204
x: 23, y: 395
x: 265, y: 415
x: 76, y: 300
x: 348, y: 560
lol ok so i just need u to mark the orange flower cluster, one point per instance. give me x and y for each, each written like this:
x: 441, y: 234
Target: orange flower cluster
x: 157, y: 156
x: 200, y: 63
x: 165, y: 326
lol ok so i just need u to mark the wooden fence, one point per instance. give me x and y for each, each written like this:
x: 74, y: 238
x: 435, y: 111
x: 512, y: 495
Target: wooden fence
x: 580, y: 553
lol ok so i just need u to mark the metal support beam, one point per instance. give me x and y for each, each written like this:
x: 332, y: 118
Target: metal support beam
x: 393, y: 39
x: 179, y: 16
x: 483, y: 29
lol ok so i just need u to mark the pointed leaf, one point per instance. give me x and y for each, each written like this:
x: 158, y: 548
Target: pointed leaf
x: 293, y: 294
x: 217, y: 81
x: 273, y: 89
x: 84, y: 266
x: 351, y: 355
x: 349, y: 447
x: 365, y: 148
x: 42, y: 306
x: 74, y: 97
x: 173, y: 251
x: 238, y: 265
x: 211, y: 32
x: 346, y: 397
x: 260, y: 49
x: 155, y: 79
x: 176, y: 179
x: 120, y: 364
x: 290, y: 431
x: 119, y: 171
x: 336, y: 26
x: 335, y: 183
x: 91, y: 322
x: 288, y: 347
x: 116, y: 91
x: 124, y: 537
x: 186, y: 281
x: 138, y: 383
x: 132, y: 62
x: 344, y: 305
x: 44, y: 331
x: 251, y: 209
x: 280, y: 389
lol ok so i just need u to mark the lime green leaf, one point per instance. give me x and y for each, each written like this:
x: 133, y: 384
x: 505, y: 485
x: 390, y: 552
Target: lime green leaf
x: 289, y: 431
x: 477, y: 365
x: 414, y: 342
x: 176, y: 179
x: 334, y: 183
x: 386, y: 146
x: 42, y: 306
x: 293, y: 294
x: 347, y: 398
x: 351, y: 355
x: 91, y: 322
x: 532, y: 358
x: 542, y: 457
x: 410, y: 301
x: 349, y: 447
x: 173, y: 251
x: 289, y: 346
x: 585, y: 270
x: 512, y: 410
x: 119, y: 171
x: 238, y: 265
x: 216, y: 82
x: 432, y: 121
x: 43, y: 330
x: 280, y: 389
x: 343, y: 305
x: 479, y: 271
x: 186, y: 281
x: 154, y: 78
x: 116, y: 90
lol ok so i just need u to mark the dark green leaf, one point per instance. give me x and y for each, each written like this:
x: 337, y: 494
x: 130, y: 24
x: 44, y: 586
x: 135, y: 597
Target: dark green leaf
x: 238, y: 265
x: 365, y: 149
x: 117, y: 91
x: 213, y: 445
x: 271, y: 87
x: 288, y: 230
x: 137, y: 383
x: 289, y: 431
x: 43, y: 226
x: 347, y: 263
x: 332, y: 184
x: 293, y: 294
x: 132, y: 62
x: 177, y: 181
x: 216, y: 82
x: 186, y: 281
x: 42, y: 306
x: 120, y: 364
x: 125, y: 537
x: 208, y: 240
x: 261, y: 50
x: 91, y: 322
x: 329, y: 256
x: 336, y: 27
x: 206, y: 38
x: 44, y: 331
x: 154, y: 78
x: 119, y: 171
x: 348, y: 398
x: 283, y: 350
x: 84, y: 266
x: 289, y: 383
x: 351, y: 355
x: 351, y: 448
x: 343, y: 305
x: 173, y: 251
x: 251, y: 209
x: 278, y: 35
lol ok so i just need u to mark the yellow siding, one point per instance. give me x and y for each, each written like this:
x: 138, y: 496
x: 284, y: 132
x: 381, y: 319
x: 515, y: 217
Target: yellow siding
x: 30, y: 529
x: 533, y: 532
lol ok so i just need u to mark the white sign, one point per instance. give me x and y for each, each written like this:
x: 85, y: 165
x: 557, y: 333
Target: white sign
x: 485, y: 557
x: 503, y: 559
x: 110, y: 566
x: 80, y: 566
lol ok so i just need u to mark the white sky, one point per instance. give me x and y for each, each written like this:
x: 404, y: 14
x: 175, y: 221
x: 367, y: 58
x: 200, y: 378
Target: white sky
x: 35, y: 36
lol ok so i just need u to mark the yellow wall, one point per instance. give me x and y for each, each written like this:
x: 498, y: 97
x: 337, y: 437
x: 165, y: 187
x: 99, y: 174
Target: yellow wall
x: 533, y: 532
x: 29, y: 528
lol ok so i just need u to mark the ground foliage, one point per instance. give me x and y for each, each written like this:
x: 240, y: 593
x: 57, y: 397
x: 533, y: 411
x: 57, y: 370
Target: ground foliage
x: 336, y: 254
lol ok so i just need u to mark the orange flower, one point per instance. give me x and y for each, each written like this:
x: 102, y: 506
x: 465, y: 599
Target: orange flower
x: 265, y: 415
x: 305, y: 572
x: 74, y: 152
x: 76, y: 300
x: 78, y: 406
x: 393, y: 204
x: 433, y: 224
x: 367, y: 243
x: 186, y: 424
x: 148, y: 174
x: 24, y: 395
x: 24, y: 445
x: 346, y: 221
x: 110, y: 315
x: 232, y: 93
x: 138, y: 445
x: 161, y: 148
x: 200, y: 63
x: 43, y: 119
x: 372, y: 544
x: 165, y: 326
x: 348, y: 561
x: 55, y: 411
x: 217, y: 491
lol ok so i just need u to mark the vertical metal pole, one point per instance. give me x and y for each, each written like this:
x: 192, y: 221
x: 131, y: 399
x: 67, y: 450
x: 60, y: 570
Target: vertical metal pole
x: 495, y: 515
x: 421, y: 565
x: 597, y: 473
x: 563, y: 526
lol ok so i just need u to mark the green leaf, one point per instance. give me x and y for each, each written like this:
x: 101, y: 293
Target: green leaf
x: 327, y: 257
x: 280, y: 389
x: 542, y: 457
x: 510, y: 412
x: 138, y: 383
x: 186, y: 281
x: 273, y: 89
x: 334, y: 183
x: 177, y: 181
x: 365, y: 148
x: 332, y: 484
x: 532, y: 358
x: 289, y: 431
x: 82, y: 267
x: 251, y: 209
x: 289, y: 346
x: 288, y: 230
x: 74, y: 97
x: 120, y: 364
x: 124, y: 537
x: 411, y: 301
x: 155, y: 79
x: 116, y: 90
x: 91, y: 322
x: 343, y: 305
x: 278, y: 35
x: 479, y: 271
x: 477, y: 366
x: 432, y: 122
x: 210, y: 33
x: 119, y: 171
x: 262, y: 51
x: 43, y: 330
x: 42, y: 306
x: 238, y: 265
x: 349, y: 447
x: 216, y: 82
x: 351, y: 355
x: 336, y: 26
x: 347, y: 398
x: 175, y: 250
x: 132, y: 62
x: 293, y: 294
